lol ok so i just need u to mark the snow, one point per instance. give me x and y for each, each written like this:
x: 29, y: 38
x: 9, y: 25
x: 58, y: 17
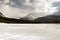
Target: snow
x: 29, y: 31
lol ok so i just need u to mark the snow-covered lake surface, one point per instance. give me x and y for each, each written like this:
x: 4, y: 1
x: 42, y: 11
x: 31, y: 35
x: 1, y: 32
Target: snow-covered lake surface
x: 29, y: 31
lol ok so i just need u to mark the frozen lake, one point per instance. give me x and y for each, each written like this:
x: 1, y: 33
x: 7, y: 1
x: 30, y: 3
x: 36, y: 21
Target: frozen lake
x: 29, y: 32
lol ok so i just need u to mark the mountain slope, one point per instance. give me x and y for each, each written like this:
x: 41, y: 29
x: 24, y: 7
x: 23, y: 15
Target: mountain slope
x: 48, y: 19
x: 12, y: 20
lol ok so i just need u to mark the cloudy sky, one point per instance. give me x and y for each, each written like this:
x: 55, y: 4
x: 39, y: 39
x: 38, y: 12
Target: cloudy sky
x: 18, y: 8
x: 12, y: 8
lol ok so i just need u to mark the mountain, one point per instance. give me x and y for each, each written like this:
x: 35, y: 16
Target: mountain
x: 48, y: 19
x: 12, y: 20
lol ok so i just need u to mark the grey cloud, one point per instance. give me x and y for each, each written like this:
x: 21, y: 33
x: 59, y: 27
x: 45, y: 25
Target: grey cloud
x: 16, y: 3
x: 57, y: 4
x: 13, y: 3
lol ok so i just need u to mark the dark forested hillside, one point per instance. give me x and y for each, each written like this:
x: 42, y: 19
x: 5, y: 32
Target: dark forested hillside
x: 12, y: 20
x: 46, y: 19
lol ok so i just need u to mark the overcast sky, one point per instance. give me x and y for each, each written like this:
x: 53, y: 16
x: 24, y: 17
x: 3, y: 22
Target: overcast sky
x: 16, y: 8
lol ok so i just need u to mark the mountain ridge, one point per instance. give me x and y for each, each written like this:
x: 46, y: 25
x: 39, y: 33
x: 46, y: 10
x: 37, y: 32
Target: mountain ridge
x: 46, y: 19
